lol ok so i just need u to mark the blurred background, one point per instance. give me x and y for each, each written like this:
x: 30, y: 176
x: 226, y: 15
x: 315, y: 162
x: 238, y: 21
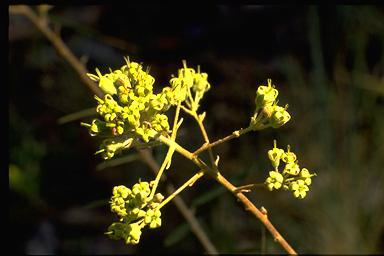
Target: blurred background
x: 327, y: 63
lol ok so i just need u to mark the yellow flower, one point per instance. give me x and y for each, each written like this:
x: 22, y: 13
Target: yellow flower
x: 288, y: 157
x: 292, y: 168
x: 274, y: 181
x: 299, y: 189
x: 265, y: 95
x: 279, y: 117
x: 275, y: 155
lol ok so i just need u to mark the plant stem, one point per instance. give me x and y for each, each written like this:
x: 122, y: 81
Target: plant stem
x: 196, y: 228
x: 203, y: 131
x: 235, y: 134
x: 248, y: 187
x: 242, y: 198
x: 61, y: 47
x: 190, y: 182
x: 168, y: 158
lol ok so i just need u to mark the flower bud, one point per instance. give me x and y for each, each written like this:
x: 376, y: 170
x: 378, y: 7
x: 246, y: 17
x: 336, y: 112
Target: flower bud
x: 265, y: 95
x: 279, y: 117
x: 305, y: 173
x: 120, y: 130
x: 122, y: 191
x: 155, y: 223
x: 288, y: 157
x: 134, y: 234
x: 107, y: 86
x: 158, y: 198
x: 275, y: 155
x: 200, y: 83
x: 292, y: 168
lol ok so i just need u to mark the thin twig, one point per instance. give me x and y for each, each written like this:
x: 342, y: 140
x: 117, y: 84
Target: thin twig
x: 196, y: 228
x: 168, y: 157
x: 190, y: 182
x: 76, y: 115
x: 203, y: 131
x: 244, y: 200
x: 205, y: 135
x: 61, y: 47
x: 234, y: 135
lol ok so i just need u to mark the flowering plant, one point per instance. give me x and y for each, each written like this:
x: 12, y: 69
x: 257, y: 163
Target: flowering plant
x: 132, y: 115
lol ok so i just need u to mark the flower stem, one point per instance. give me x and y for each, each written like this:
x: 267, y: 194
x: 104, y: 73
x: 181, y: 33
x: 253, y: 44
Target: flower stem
x: 194, y: 114
x: 168, y: 158
x: 247, y: 188
x: 235, y: 134
x: 242, y: 198
x: 190, y: 182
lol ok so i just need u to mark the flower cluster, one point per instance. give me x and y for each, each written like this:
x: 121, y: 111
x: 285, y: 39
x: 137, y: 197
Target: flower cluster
x: 130, y: 110
x: 291, y: 178
x: 188, y: 79
x: 135, y: 210
x: 267, y: 112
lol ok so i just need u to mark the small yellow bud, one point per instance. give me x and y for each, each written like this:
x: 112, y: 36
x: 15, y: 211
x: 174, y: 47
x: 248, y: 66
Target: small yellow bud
x: 279, y: 117
x: 292, y: 168
x: 106, y: 84
x: 270, y: 186
x: 289, y: 157
x: 134, y: 233
x: 121, y: 190
x: 155, y: 223
x: 150, y: 212
x: 265, y: 95
x: 158, y: 198
x: 147, y: 219
x: 275, y: 155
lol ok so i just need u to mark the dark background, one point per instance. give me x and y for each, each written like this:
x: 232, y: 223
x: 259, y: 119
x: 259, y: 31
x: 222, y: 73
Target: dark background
x: 327, y: 63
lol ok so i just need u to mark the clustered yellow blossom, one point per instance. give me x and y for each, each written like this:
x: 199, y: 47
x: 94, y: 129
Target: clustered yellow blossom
x: 130, y: 110
x: 135, y: 209
x: 291, y: 178
x: 267, y: 112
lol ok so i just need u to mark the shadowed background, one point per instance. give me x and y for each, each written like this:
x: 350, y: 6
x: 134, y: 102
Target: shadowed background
x: 327, y: 63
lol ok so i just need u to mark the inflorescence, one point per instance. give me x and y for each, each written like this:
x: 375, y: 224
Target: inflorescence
x: 135, y: 210
x: 131, y: 111
x: 267, y: 112
x: 291, y: 178
x: 132, y: 114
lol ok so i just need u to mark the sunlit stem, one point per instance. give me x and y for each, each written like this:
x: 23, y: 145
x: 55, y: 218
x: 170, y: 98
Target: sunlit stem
x: 249, y: 187
x: 171, y: 150
x: 235, y: 134
x: 190, y: 182
x: 218, y: 177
